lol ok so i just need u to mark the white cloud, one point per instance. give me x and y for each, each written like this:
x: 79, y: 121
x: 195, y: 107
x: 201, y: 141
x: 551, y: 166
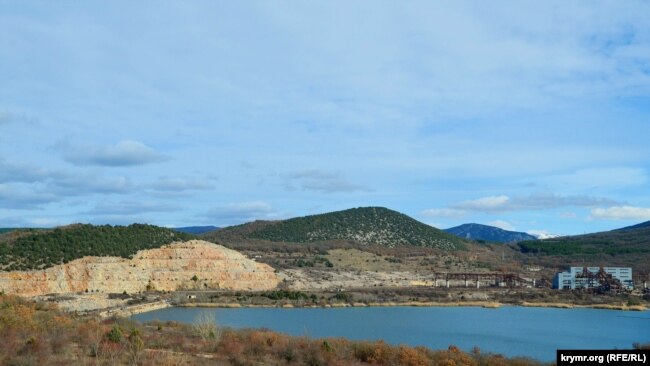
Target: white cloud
x: 490, y: 203
x: 502, y: 225
x: 621, y: 213
x: 124, y: 153
x: 534, y: 201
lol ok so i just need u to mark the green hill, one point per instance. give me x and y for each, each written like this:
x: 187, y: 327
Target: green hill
x: 32, y: 249
x: 629, y: 247
x: 608, y: 242
x: 366, y: 225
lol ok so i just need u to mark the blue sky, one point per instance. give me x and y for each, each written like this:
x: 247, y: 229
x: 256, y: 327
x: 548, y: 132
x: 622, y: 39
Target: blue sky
x: 533, y: 117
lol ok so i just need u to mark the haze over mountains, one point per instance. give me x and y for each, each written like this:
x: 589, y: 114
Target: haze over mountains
x: 488, y: 233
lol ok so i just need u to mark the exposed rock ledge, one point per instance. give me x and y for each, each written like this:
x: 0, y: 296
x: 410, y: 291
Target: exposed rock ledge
x: 194, y: 264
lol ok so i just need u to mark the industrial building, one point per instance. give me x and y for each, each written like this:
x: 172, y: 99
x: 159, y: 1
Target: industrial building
x: 605, y: 278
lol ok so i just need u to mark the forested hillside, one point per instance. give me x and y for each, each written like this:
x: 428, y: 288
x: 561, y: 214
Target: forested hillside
x: 365, y: 225
x: 619, y: 247
x: 608, y: 242
x: 30, y: 249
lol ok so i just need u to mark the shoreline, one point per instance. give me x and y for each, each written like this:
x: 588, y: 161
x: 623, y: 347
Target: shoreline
x: 130, y: 310
x: 590, y: 306
x: 483, y: 304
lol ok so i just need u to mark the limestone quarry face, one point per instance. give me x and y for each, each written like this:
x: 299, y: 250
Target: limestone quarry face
x: 193, y: 264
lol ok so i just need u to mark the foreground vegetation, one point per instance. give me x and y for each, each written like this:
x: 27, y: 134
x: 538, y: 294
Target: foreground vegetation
x: 34, y: 249
x: 39, y: 334
x: 365, y: 225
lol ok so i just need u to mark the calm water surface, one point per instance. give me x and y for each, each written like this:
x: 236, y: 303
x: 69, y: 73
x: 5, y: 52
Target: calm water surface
x: 512, y: 331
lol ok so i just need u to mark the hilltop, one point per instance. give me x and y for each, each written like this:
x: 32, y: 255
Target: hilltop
x: 365, y: 225
x: 488, y: 233
x: 630, y: 247
x: 36, y: 249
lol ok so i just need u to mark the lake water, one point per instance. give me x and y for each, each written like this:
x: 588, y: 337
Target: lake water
x: 509, y: 330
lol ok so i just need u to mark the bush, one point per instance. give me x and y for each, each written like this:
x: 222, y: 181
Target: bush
x: 633, y: 301
x: 115, y: 335
x: 205, y: 326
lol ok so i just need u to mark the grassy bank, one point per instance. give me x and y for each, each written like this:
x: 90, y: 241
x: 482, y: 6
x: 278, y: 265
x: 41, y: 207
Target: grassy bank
x: 39, y: 334
x: 412, y: 297
x: 484, y: 304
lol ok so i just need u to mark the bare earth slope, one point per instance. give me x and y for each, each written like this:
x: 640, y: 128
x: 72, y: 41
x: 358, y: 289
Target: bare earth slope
x: 182, y: 265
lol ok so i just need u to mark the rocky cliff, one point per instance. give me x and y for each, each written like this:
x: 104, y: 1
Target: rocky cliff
x: 193, y: 264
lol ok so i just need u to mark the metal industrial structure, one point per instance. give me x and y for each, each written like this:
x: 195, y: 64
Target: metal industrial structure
x: 595, y: 278
x: 478, y: 279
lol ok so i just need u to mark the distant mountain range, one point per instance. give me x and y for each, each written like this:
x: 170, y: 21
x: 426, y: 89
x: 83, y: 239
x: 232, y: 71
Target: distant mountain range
x: 488, y: 233
x: 364, y: 225
x: 196, y: 230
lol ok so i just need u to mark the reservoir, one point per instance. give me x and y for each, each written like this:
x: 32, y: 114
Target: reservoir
x: 509, y: 330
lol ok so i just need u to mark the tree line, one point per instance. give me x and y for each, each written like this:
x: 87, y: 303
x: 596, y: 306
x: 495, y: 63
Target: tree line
x: 42, y: 249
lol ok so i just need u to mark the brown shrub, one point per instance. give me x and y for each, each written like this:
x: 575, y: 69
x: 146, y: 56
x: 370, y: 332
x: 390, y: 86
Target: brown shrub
x: 411, y: 357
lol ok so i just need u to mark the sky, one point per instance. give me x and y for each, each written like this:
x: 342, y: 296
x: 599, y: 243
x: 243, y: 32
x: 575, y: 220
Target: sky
x: 530, y: 116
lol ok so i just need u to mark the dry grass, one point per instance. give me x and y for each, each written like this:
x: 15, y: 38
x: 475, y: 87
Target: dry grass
x: 39, y: 334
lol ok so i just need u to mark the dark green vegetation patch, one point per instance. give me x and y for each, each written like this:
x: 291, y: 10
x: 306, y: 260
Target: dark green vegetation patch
x: 616, y: 242
x: 366, y: 225
x: 23, y: 250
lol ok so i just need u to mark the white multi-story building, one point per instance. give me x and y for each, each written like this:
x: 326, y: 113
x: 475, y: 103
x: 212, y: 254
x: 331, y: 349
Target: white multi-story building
x: 574, y: 278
